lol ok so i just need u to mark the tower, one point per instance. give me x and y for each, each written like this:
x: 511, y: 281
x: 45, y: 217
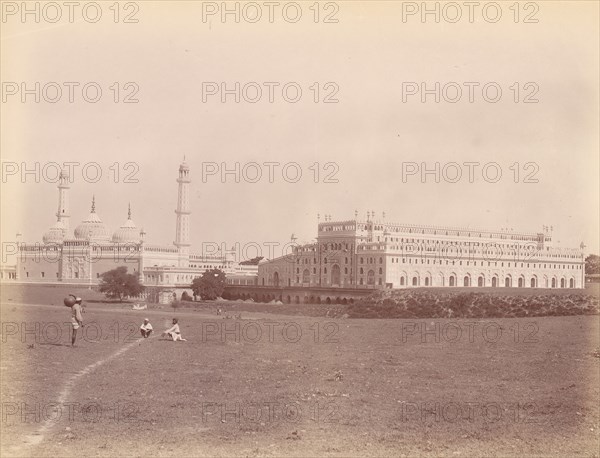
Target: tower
x: 182, y: 231
x: 63, y: 199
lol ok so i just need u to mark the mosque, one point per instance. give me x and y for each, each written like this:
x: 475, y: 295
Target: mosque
x: 82, y: 256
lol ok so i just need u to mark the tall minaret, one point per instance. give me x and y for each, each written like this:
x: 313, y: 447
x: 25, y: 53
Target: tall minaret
x: 182, y: 232
x: 63, y: 199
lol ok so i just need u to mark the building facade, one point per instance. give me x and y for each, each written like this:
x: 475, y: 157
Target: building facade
x: 370, y: 253
x: 82, y: 257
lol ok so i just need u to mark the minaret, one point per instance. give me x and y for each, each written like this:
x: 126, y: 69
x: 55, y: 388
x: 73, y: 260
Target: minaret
x: 63, y: 199
x: 182, y: 231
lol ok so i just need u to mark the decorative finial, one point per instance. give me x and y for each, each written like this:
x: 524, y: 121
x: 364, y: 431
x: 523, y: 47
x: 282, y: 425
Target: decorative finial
x: 129, y: 210
x: 383, y: 215
x: 318, y: 217
x: 93, y: 204
x: 355, y: 214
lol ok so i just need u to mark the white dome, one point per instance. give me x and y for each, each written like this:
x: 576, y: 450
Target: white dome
x: 128, y: 232
x: 92, y: 228
x: 56, y: 233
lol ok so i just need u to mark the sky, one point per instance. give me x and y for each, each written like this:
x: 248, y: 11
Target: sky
x: 363, y: 127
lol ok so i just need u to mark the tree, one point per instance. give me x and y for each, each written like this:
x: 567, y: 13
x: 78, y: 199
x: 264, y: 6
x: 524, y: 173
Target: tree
x: 175, y: 304
x: 592, y: 264
x: 251, y: 262
x: 210, y: 285
x: 118, y: 284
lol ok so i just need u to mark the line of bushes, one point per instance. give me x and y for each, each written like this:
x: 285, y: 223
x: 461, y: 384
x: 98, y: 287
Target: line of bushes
x: 425, y: 304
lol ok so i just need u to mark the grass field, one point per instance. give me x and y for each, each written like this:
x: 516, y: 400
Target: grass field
x: 280, y: 385
x: 53, y: 295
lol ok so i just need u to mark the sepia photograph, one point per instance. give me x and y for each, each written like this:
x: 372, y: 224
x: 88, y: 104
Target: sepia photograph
x: 300, y: 228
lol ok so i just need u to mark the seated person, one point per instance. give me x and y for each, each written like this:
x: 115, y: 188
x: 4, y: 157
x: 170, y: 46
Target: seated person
x: 146, y: 328
x: 173, y: 332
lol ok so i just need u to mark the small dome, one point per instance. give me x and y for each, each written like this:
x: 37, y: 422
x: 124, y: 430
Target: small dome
x: 56, y: 233
x: 184, y: 165
x: 92, y: 228
x: 128, y: 232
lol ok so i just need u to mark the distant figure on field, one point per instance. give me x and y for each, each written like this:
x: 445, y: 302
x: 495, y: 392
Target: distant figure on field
x: 173, y: 332
x: 76, y: 318
x: 146, y: 328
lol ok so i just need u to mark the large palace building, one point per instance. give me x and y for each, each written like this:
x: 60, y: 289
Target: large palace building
x: 82, y: 256
x: 371, y: 253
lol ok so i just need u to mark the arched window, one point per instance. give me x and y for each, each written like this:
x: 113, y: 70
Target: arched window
x: 415, y: 281
x: 466, y: 281
x: 480, y: 281
x: 335, y: 275
x: 370, y: 277
x: 305, y: 276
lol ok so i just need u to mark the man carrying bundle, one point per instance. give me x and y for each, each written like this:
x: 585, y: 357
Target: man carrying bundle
x: 74, y: 303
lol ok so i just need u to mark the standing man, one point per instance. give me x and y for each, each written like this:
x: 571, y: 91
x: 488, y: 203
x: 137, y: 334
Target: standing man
x: 76, y: 318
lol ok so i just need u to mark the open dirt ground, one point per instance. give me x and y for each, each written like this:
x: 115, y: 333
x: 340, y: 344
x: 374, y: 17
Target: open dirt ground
x: 279, y: 385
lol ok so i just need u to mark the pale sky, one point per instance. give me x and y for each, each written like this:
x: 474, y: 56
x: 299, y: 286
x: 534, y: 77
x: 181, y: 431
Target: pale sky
x: 369, y: 134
